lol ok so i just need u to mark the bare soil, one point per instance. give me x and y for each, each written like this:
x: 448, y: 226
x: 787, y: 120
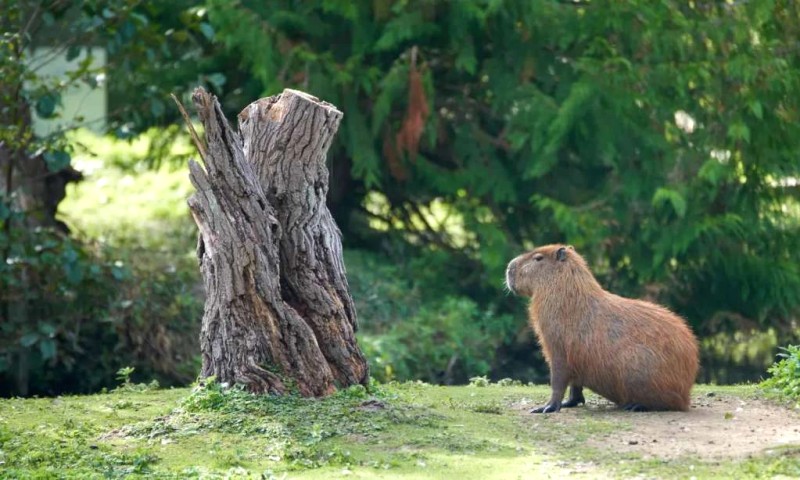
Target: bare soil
x: 716, y: 427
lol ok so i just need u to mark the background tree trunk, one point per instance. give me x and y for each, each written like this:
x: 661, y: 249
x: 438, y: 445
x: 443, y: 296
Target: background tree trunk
x: 278, y: 306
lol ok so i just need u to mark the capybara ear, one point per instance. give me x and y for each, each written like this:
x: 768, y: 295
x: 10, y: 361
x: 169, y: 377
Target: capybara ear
x: 571, y: 247
x: 561, y: 254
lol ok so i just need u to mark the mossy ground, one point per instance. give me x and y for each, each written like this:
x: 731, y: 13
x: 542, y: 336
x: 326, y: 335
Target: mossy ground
x: 396, y: 431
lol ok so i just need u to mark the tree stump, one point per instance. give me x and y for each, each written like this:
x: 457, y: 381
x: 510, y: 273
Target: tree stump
x: 278, y: 307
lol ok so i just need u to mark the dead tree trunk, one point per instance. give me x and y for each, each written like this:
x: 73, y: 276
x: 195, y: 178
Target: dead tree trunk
x: 278, y: 306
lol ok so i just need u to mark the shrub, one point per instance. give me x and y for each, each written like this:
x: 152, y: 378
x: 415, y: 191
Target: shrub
x: 785, y: 379
x: 408, y: 334
x: 75, y: 311
x: 74, y: 314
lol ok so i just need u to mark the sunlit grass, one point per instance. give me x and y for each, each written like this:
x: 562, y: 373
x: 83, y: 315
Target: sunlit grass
x: 123, y: 202
x: 409, y: 430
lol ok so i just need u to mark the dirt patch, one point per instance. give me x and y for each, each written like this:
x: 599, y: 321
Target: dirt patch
x: 717, y: 426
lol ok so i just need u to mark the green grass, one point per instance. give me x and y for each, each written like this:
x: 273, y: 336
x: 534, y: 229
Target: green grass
x: 123, y: 202
x: 409, y: 430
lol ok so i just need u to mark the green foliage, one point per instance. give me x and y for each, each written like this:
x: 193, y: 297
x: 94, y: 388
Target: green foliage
x: 124, y: 375
x: 61, y: 320
x: 445, y: 342
x: 71, y: 311
x: 659, y: 138
x: 143, y: 41
x: 89, y: 314
x: 433, y: 336
x: 785, y: 378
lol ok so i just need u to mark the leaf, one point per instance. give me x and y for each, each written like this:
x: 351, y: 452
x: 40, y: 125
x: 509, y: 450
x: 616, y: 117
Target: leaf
x: 140, y: 18
x: 47, y: 329
x: 29, y: 339
x: 119, y: 273
x: 517, y: 140
x: 666, y: 195
x: 157, y: 107
x: 569, y: 113
x: 466, y: 60
x: 47, y: 348
x: 712, y: 171
x: 739, y: 131
x: 74, y: 272
x: 405, y: 28
x: 73, y: 52
x: 757, y: 109
x: 57, y: 160
x: 392, y: 88
x: 360, y: 146
x: 48, y: 19
x: 207, y: 30
x: 46, y: 105
x: 217, y: 80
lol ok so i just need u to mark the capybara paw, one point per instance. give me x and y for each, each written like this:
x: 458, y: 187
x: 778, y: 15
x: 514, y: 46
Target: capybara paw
x: 549, y: 408
x: 634, y: 407
x: 573, y: 402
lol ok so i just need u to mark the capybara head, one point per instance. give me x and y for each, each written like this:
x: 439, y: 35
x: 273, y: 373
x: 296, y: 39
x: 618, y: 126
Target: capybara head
x: 542, y: 268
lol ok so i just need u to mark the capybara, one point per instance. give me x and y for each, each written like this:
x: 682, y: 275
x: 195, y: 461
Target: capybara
x: 637, y: 354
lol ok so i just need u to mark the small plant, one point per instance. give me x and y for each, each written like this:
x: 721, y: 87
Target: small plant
x: 481, y: 381
x: 354, y: 391
x: 207, y: 395
x: 509, y: 382
x: 124, y: 375
x: 142, y: 460
x: 785, y: 378
x: 126, y: 385
x: 488, y: 407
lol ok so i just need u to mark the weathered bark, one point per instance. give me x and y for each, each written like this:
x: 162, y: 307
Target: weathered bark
x: 277, y: 301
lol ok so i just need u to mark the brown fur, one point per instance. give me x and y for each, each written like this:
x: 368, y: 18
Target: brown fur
x: 629, y: 351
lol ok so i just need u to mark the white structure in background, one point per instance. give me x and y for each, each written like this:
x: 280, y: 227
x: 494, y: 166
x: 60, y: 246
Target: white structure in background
x: 81, y: 104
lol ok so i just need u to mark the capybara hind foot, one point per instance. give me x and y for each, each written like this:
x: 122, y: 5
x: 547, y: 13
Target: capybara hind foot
x: 635, y: 407
x: 549, y: 408
x: 573, y: 403
x: 575, y: 398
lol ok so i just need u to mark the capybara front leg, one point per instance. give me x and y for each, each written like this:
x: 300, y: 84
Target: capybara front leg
x: 575, y: 397
x: 558, y: 385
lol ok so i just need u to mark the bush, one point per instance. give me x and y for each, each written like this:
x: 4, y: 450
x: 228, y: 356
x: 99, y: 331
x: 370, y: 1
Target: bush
x: 129, y: 294
x: 74, y: 314
x: 407, y: 334
x: 785, y: 379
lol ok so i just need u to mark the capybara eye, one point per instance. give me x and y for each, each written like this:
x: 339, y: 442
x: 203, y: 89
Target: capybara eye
x: 538, y: 257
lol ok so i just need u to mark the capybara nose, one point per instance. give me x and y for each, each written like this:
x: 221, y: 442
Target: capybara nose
x: 511, y: 269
